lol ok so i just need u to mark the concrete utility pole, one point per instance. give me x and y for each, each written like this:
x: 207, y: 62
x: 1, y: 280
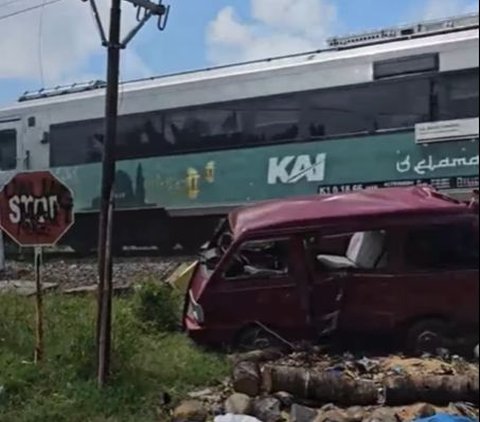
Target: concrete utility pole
x: 145, y: 10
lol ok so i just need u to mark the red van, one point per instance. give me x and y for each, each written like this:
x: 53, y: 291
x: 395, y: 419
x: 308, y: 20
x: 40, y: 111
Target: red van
x: 393, y: 260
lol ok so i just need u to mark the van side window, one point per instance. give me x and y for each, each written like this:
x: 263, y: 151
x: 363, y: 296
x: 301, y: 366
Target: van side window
x: 442, y: 247
x: 264, y: 258
x: 8, y: 149
x: 349, y: 251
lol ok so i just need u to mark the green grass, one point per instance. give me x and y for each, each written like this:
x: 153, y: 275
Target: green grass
x: 145, y: 364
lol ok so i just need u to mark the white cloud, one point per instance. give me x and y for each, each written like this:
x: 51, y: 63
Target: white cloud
x: 277, y: 27
x: 438, y: 9
x: 68, y: 41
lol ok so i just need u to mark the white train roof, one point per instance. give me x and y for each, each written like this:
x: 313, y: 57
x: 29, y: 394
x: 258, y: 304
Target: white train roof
x: 455, y: 40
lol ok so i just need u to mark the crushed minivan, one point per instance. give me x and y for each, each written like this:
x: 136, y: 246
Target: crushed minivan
x: 374, y: 262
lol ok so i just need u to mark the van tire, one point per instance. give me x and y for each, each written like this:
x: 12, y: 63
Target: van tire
x: 254, y: 338
x: 427, y: 336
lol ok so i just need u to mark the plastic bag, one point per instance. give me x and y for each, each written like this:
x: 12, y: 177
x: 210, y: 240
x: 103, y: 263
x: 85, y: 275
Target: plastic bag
x: 443, y: 417
x: 236, y: 418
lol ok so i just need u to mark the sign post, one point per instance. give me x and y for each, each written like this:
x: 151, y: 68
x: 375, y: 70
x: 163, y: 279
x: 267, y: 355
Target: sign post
x: 36, y: 210
x: 39, y: 346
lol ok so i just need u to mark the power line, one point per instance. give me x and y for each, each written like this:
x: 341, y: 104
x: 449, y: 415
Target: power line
x: 28, y: 9
x: 40, y: 43
x: 8, y: 3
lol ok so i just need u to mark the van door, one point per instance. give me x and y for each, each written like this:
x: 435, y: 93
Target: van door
x: 351, y: 281
x: 9, y: 146
x: 326, y: 288
x: 260, y: 283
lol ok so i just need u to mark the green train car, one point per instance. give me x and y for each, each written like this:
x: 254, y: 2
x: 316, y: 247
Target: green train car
x: 395, y: 107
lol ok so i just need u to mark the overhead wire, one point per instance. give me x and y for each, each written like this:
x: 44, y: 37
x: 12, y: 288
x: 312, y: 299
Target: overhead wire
x: 8, y: 3
x: 28, y: 9
x: 40, y: 44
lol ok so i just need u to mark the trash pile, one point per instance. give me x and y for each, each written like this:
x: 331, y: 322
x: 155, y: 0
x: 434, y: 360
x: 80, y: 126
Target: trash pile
x: 310, y: 386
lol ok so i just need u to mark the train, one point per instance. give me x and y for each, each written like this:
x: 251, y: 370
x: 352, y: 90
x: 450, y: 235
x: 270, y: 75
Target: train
x: 396, y: 106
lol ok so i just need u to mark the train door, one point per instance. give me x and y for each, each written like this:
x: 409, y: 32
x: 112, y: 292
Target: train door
x: 10, y: 147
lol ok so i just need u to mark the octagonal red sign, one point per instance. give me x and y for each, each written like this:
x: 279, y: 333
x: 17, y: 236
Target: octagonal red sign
x: 36, y: 209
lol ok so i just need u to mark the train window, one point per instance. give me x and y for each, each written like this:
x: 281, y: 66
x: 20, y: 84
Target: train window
x: 338, y: 112
x: 458, y: 96
x: 399, y: 104
x: 141, y: 136
x: 8, y: 149
x: 76, y: 143
x: 204, y: 128
x: 276, y: 119
x: 369, y: 108
x: 405, y: 65
x: 382, y: 105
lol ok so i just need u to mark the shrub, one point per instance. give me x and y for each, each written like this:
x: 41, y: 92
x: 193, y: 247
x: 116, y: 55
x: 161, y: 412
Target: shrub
x: 158, y: 306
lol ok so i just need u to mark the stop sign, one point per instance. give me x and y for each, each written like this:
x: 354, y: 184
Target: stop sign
x: 36, y: 209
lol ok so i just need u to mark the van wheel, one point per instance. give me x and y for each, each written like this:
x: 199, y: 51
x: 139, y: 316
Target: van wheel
x: 427, y: 336
x: 255, y: 338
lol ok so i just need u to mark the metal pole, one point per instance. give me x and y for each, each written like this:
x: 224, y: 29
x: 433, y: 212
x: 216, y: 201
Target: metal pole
x: 107, y: 198
x: 2, y: 251
x: 39, y: 346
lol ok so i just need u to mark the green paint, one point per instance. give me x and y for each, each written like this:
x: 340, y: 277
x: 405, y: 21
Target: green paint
x: 242, y: 175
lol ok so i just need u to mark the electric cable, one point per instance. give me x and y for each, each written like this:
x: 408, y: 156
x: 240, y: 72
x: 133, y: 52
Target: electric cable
x: 28, y: 9
x: 8, y: 3
x: 40, y: 44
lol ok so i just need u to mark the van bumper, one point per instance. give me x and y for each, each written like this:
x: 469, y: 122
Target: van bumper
x: 208, y: 337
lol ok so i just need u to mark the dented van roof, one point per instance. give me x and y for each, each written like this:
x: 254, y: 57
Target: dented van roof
x: 311, y: 211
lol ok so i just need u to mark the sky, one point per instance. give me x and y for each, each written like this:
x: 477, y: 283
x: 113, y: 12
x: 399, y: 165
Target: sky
x: 59, y: 44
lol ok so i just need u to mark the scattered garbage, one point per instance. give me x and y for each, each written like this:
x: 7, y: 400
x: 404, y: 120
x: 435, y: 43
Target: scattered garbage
x: 443, y: 417
x: 311, y: 385
x: 235, y: 418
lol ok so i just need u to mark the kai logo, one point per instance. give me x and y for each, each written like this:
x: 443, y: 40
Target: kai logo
x: 293, y: 169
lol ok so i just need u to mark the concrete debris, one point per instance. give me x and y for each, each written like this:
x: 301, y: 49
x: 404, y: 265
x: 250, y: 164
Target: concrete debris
x: 235, y: 418
x: 383, y: 415
x: 356, y: 414
x: 302, y: 414
x: 426, y: 411
x: 190, y: 411
x: 301, y: 405
x: 334, y: 415
x: 239, y: 404
x: 267, y: 409
x: 201, y: 393
x: 286, y: 399
x: 24, y: 287
x: 246, y: 378
x: 82, y: 290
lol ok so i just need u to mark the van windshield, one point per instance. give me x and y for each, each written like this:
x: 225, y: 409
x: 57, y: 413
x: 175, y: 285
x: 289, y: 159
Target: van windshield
x: 220, y: 243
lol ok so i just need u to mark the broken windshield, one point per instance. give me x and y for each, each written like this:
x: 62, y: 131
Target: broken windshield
x: 221, y: 242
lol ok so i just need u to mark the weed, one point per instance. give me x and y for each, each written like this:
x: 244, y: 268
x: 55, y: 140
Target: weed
x: 158, y: 306
x: 145, y: 364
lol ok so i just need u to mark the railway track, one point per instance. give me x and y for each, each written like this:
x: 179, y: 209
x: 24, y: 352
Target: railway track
x: 69, y: 270
x: 52, y: 254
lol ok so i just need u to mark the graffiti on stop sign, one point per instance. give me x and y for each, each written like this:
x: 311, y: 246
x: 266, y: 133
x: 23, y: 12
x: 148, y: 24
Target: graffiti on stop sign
x: 36, y: 206
x: 29, y: 210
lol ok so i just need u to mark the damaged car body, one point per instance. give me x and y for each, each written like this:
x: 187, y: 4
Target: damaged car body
x: 394, y: 260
